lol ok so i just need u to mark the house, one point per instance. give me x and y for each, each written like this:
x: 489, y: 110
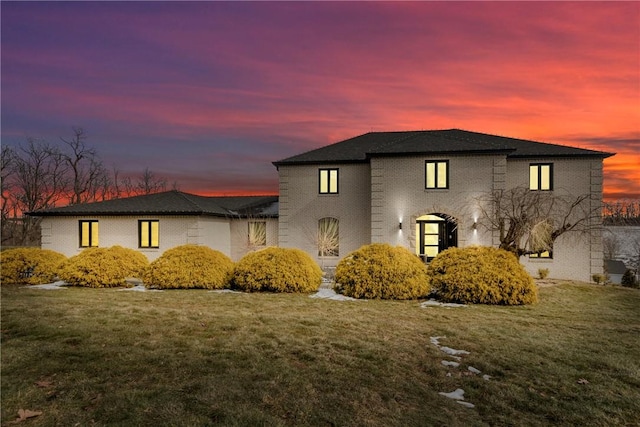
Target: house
x: 156, y: 222
x: 421, y: 190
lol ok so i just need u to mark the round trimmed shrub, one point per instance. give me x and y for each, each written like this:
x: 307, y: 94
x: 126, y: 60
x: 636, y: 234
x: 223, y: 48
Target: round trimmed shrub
x: 104, y: 267
x: 277, y: 270
x: 189, y: 267
x: 481, y: 275
x: 382, y: 271
x: 30, y: 266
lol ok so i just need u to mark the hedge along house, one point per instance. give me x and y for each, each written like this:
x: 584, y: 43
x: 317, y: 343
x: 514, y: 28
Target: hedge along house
x: 422, y: 190
x: 156, y: 222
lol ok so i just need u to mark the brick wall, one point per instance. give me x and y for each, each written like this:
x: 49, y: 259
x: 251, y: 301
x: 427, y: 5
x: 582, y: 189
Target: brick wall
x: 301, y: 207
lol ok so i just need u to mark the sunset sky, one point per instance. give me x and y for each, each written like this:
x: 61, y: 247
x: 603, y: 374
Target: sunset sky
x: 208, y: 94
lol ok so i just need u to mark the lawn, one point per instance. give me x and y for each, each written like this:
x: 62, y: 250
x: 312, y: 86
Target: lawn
x: 110, y: 357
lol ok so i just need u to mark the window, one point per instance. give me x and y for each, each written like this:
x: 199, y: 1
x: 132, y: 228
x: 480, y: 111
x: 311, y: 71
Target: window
x: 436, y: 174
x: 328, y: 181
x: 89, y: 234
x: 257, y: 234
x: 328, y: 237
x: 541, y: 176
x: 148, y: 233
x: 542, y: 255
x: 541, y: 240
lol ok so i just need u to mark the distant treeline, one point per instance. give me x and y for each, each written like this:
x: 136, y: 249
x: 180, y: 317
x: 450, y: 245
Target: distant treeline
x: 38, y: 174
x: 622, y: 212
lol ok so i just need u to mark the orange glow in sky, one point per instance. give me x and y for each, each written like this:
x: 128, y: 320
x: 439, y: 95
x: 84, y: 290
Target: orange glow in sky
x: 208, y: 94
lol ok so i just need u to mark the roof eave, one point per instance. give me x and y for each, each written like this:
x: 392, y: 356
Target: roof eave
x: 601, y: 155
x: 317, y: 162
x: 140, y: 214
x: 116, y: 213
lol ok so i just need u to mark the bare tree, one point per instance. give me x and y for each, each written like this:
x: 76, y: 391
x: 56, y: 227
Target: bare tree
x: 38, y: 175
x: 529, y: 222
x: 38, y: 179
x: 149, y: 183
x: 256, y: 235
x: 5, y: 184
x: 8, y: 224
x: 611, y: 246
x: 635, y: 253
x: 145, y: 183
x: 327, y: 237
x: 87, y: 173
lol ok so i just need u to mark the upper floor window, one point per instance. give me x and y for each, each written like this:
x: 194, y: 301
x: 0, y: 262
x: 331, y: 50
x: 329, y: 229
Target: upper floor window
x: 541, y: 176
x: 148, y: 233
x: 328, y: 181
x: 257, y: 234
x: 89, y: 233
x: 436, y: 174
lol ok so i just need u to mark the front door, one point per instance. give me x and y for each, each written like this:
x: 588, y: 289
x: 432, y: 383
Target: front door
x: 435, y: 233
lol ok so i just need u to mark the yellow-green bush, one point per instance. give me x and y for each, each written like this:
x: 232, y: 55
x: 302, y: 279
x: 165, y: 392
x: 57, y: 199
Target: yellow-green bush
x: 29, y: 266
x: 277, y: 270
x: 188, y: 267
x: 104, y: 267
x: 382, y: 271
x: 481, y: 275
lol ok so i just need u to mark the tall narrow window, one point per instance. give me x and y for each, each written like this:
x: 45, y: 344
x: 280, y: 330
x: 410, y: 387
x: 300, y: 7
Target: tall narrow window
x: 149, y: 233
x: 436, y: 174
x: 541, y: 176
x: 328, y: 237
x: 88, y: 233
x: 328, y: 181
x: 257, y: 234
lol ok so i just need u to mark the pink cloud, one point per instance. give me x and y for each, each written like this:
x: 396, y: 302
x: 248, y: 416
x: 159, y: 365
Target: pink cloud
x: 186, y: 78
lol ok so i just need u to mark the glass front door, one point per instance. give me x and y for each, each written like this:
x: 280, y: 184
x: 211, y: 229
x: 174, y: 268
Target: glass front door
x: 434, y: 233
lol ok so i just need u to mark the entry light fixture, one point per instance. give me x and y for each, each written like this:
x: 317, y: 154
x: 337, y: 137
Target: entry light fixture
x: 400, y: 225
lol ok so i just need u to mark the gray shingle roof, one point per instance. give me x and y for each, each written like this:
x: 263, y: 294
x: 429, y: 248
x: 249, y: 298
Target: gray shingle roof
x: 433, y: 142
x: 173, y: 203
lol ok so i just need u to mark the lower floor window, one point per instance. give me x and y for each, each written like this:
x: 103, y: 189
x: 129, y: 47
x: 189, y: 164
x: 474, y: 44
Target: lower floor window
x: 328, y: 237
x: 88, y: 233
x: 544, y: 255
x: 148, y: 233
x: 257, y: 234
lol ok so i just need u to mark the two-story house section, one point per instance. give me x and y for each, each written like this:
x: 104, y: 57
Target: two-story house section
x: 424, y: 190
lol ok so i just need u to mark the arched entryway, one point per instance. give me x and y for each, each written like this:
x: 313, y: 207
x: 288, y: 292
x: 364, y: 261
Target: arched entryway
x: 434, y: 233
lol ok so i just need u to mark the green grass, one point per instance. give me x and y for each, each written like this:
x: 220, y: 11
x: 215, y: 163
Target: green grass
x: 185, y: 357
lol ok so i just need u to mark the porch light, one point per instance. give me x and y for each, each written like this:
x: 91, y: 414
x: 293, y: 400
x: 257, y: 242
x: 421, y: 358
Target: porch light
x: 400, y: 225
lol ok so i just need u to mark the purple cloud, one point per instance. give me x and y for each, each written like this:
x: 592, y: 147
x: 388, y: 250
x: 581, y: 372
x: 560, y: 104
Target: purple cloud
x: 211, y: 92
